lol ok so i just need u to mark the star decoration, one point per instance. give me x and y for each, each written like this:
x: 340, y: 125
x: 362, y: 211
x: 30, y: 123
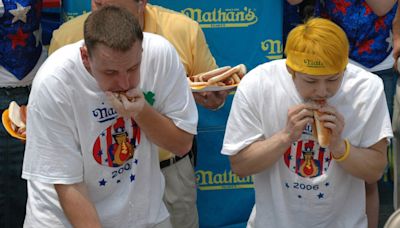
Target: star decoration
x: 320, y: 195
x: 327, y: 184
x: 390, y: 41
x: 19, y: 38
x: 1, y: 8
x: 132, y: 177
x: 287, y: 185
x: 20, y: 13
x: 136, y: 161
x: 38, y: 36
x: 102, y: 182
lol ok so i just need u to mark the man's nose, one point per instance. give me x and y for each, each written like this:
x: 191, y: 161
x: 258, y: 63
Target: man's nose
x: 321, y: 90
x: 123, y: 82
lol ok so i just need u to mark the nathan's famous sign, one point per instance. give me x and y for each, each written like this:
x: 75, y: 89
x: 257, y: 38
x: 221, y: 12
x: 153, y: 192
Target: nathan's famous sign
x: 218, y: 17
x: 210, y: 180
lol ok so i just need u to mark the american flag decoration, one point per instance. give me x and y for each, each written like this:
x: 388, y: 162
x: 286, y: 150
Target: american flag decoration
x: 20, y: 39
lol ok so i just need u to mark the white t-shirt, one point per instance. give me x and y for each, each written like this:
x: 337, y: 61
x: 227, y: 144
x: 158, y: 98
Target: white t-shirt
x: 295, y: 191
x: 74, y: 135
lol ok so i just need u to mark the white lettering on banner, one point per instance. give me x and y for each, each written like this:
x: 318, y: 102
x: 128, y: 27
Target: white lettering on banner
x: 274, y: 49
x: 209, y: 180
x: 222, y: 18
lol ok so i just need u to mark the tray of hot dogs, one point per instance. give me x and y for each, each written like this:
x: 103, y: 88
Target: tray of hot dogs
x: 14, y: 120
x: 222, y: 78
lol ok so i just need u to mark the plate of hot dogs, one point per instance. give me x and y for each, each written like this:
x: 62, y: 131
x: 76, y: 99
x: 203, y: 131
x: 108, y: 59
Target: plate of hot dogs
x: 14, y: 120
x: 222, y: 78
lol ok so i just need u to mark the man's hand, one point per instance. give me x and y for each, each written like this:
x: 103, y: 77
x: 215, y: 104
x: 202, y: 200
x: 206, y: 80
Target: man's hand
x: 129, y: 104
x: 334, y: 121
x: 298, y: 117
x: 211, y: 100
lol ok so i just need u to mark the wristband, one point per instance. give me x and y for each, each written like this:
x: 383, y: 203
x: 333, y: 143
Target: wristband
x: 346, y: 152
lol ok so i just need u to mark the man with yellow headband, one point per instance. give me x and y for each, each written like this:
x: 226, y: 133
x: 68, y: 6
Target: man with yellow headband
x: 269, y: 133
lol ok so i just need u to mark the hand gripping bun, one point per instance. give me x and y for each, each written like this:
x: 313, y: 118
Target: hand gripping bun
x: 323, y: 133
x: 119, y: 94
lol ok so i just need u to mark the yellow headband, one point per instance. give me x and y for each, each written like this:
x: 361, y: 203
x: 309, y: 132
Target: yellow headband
x: 311, y: 64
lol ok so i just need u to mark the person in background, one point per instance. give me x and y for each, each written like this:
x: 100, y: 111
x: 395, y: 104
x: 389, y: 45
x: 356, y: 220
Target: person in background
x: 368, y: 26
x: 21, y: 54
x: 95, y: 113
x: 396, y: 110
x: 269, y: 134
x: 189, y: 40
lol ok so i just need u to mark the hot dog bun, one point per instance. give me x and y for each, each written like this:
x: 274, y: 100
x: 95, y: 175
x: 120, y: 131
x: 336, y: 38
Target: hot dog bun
x: 120, y: 94
x: 323, y: 133
x: 207, y: 75
x: 14, y: 114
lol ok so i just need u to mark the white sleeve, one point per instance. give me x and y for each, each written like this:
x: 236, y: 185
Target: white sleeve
x: 52, y: 153
x: 377, y: 123
x: 173, y: 94
x: 244, y: 124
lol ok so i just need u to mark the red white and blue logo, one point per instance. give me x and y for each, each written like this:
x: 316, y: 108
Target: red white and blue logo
x: 116, y: 145
x: 306, y: 158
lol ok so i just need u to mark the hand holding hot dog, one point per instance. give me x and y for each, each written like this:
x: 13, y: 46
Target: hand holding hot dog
x: 128, y: 104
x: 298, y: 117
x: 334, y: 121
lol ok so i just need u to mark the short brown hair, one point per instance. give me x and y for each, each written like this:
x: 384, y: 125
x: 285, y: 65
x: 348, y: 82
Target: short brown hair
x: 113, y: 27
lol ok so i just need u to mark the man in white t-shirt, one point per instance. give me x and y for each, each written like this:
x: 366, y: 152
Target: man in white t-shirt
x: 95, y: 114
x: 269, y: 133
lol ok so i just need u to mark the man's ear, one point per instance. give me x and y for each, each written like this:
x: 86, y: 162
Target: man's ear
x: 85, y: 56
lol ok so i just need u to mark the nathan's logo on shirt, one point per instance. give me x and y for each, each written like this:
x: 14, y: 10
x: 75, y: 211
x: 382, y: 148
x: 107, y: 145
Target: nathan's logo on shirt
x: 116, y: 145
x: 313, y: 63
x: 306, y: 158
x: 210, y: 180
x: 222, y: 18
x: 104, y: 114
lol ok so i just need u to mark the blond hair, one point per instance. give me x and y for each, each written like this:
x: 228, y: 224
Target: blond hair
x: 317, y: 47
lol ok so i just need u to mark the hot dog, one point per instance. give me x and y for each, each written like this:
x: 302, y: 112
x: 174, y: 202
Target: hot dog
x: 224, y: 75
x: 323, y: 134
x: 209, y: 74
x: 17, y: 118
x: 120, y: 94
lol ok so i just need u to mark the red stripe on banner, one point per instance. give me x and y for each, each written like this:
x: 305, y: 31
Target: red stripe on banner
x: 109, y: 142
x: 96, y: 149
x: 321, y: 159
x: 286, y: 157
x: 298, y: 154
x: 136, y: 132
